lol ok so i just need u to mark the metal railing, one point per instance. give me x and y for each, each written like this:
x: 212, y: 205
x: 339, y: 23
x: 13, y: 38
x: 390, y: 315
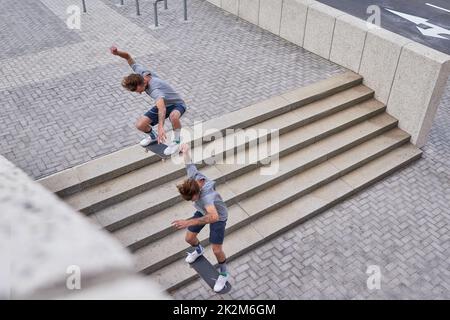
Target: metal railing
x: 155, y: 9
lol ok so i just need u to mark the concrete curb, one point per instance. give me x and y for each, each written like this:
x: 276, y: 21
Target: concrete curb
x: 48, y: 245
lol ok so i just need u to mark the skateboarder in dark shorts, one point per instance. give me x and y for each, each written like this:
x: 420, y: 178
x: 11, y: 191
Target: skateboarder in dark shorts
x: 210, y: 210
x: 169, y: 104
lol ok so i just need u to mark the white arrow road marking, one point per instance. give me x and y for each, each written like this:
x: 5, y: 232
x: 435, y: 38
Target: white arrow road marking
x: 432, y: 31
x: 432, y: 5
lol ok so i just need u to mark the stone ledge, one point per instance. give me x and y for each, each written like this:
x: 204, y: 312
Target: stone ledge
x: 42, y: 237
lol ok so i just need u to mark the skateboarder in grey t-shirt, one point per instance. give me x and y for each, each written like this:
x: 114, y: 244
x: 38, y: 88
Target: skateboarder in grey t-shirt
x: 168, y: 102
x: 211, y: 209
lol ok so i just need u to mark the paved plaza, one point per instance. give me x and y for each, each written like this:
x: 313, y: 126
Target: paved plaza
x: 62, y: 105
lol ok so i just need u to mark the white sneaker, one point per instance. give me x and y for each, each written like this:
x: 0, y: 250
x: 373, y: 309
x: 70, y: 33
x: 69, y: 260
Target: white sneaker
x: 148, y: 139
x: 192, y: 256
x: 172, y: 148
x: 221, y: 282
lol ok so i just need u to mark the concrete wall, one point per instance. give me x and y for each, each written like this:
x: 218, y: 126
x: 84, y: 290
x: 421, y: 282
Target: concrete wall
x: 418, y: 86
x: 231, y: 6
x: 270, y: 15
x: 44, y: 243
x: 249, y: 11
x: 293, y: 20
x: 319, y: 30
x: 348, y: 42
x: 408, y: 77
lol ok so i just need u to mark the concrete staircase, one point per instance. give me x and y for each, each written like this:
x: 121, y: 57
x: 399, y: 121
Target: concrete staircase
x: 335, y: 139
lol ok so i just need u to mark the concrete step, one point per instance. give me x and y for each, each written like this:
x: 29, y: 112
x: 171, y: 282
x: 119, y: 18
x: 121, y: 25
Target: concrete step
x: 172, y: 247
x: 266, y: 227
x: 132, y: 158
x: 156, y: 226
x: 155, y: 199
x: 113, y: 191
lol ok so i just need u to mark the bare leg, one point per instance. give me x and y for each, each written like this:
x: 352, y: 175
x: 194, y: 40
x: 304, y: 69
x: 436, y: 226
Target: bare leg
x: 218, y: 252
x: 191, y: 238
x: 175, y: 119
x: 144, y: 124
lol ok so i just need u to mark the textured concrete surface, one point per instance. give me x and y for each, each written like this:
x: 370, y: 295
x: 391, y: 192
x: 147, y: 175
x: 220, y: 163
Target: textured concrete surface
x: 379, y: 61
x: 320, y: 24
x: 293, y: 20
x: 29, y: 27
x: 231, y: 6
x: 400, y: 224
x: 249, y: 10
x: 415, y: 102
x: 47, y: 241
x: 270, y: 15
x: 348, y: 42
x: 79, y: 110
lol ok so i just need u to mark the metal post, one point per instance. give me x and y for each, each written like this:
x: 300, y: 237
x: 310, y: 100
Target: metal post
x: 84, y: 6
x: 155, y: 10
x: 165, y: 5
x: 185, y: 10
x: 137, y: 8
x: 121, y: 2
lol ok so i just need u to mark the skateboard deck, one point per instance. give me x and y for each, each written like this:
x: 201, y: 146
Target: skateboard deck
x: 158, y: 149
x: 208, y: 273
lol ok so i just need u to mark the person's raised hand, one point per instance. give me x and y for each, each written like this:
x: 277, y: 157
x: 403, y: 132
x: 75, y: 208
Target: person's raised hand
x: 114, y: 50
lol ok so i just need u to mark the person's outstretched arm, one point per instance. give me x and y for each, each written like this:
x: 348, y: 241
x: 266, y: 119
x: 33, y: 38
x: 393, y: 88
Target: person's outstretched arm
x: 191, y: 169
x: 211, y: 216
x: 122, y: 54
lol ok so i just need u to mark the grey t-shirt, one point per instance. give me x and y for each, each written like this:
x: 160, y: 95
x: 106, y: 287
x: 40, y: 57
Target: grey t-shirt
x: 208, y: 193
x: 158, y: 88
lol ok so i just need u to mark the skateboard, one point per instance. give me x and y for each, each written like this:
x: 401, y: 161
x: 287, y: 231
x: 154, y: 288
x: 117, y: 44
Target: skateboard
x: 208, y: 273
x: 158, y: 149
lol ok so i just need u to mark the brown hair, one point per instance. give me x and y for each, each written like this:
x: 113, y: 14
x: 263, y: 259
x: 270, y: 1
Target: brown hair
x: 132, y: 81
x: 188, y: 189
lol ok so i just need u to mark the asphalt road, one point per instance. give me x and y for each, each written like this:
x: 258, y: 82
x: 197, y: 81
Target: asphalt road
x: 435, y: 25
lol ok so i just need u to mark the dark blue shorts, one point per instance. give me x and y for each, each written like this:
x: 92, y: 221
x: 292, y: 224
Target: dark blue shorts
x: 216, y: 229
x: 153, y: 112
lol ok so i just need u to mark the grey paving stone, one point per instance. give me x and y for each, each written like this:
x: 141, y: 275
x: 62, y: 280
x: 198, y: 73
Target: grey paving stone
x: 28, y: 26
